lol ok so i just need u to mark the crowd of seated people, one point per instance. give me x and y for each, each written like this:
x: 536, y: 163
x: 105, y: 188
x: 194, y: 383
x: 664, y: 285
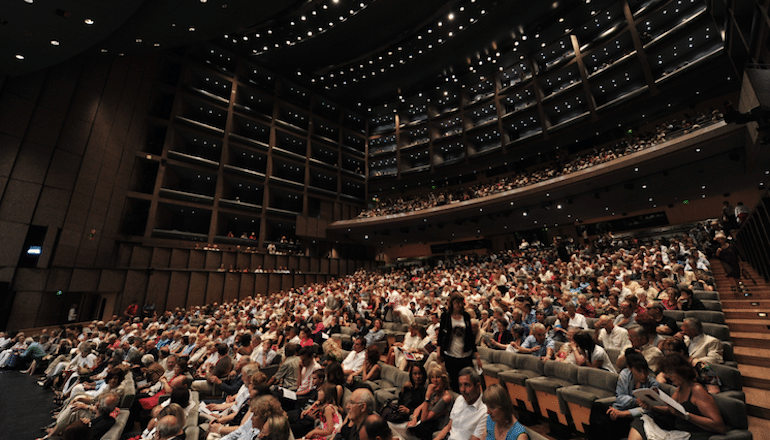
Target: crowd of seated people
x: 559, y: 167
x: 270, y: 359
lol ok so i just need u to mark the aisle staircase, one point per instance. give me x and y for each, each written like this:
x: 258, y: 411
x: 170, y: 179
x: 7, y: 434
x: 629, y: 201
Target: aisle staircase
x: 747, y: 313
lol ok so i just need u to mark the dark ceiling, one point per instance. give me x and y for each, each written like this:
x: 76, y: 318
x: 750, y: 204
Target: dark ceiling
x: 47, y: 32
x: 400, y: 46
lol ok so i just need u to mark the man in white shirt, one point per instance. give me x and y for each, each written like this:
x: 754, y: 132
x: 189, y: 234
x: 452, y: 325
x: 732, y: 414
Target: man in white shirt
x: 432, y: 330
x: 403, y: 314
x: 467, y: 421
x: 575, y: 319
x: 610, y: 335
x: 354, y: 362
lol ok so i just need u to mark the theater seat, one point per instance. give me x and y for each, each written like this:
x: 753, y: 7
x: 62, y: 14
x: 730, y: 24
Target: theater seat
x: 714, y: 305
x: 555, y: 375
x: 706, y: 295
x: 706, y: 316
x: 732, y: 381
x: 733, y: 413
x: 719, y: 331
x: 593, y: 384
x: 501, y: 361
x: 526, y: 367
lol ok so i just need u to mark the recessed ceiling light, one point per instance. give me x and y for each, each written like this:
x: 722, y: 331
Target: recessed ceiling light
x: 88, y: 21
x: 191, y: 29
x: 19, y: 56
x: 54, y: 42
x: 29, y: 1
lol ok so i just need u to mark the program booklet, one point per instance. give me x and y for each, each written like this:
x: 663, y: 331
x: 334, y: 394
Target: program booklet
x: 655, y: 397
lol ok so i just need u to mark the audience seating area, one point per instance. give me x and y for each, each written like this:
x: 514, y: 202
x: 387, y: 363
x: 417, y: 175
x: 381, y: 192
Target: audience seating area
x: 557, y: 393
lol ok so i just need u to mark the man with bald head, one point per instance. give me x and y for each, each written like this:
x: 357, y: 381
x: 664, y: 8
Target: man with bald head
x: 168, y: 428
x: 640, y: 340
x: 359, y: 406
x: 375, y: 428
x: 611, y: 335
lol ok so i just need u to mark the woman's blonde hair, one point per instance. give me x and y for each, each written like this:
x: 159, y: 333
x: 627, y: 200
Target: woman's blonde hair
x: 438, y: 370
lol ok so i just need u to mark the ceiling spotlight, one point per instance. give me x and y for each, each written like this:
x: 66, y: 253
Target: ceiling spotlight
x: 29, y: 1
x: 19, y: 56
x: 88, y: 21
x: 54, y: 42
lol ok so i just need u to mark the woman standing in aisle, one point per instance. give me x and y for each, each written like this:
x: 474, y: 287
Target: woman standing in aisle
x: 456, y: 341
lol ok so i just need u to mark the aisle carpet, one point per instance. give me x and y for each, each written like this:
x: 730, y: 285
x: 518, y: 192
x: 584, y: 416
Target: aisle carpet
x: 24, y: 406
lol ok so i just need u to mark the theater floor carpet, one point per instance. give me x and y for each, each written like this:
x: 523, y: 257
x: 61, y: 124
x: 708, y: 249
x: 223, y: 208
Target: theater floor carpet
x: 24, y: 406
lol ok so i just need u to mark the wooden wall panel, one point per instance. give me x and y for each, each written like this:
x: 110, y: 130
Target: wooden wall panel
x: 112, y: 280
x: 197, y: 259
x: 85, y: 280
x: 161, y: 258
x: 157, y: 288
x: 213, y: 260
x: 140, y: 257
x: 274, y: 283
x: 293, y: 263
x: 301, y: 227
x: 29, y: 279
x: 59, y: 279
x: 287, y: 281
x: 334, y: 267
x: 269, y: 262
x: 196, y: 295
x: 304, y: 264
x: 243, y: 261
x: 257, y: 260
x: 229, y: 260
x: 180, y: 258
x: 281, y: 261
x: 178, y: 287
x: 39, y: 307
x: 123, y: 257
x: 232, y: 286
x: 134, y: 289
x: 215, y: 287
x: 260, y: 284
x: 247, y: 285
x: 315, y: 264
x: 343, y: 267
x: 299, y: 280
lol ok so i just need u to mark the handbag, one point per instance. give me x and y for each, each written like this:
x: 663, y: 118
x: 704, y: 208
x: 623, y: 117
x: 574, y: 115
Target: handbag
x: 391, y: 414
